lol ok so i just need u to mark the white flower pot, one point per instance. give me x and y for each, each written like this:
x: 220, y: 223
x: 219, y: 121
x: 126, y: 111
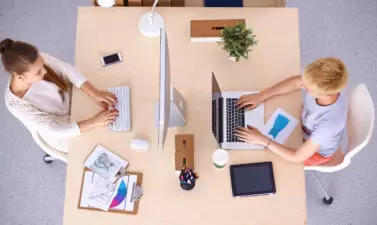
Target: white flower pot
x: 106, y: 3
x: 232, y: 58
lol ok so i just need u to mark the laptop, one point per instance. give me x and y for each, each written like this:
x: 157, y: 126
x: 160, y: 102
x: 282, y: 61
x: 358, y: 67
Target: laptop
x: 226, y: 117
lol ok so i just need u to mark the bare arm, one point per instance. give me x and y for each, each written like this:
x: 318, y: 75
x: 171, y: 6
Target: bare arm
x: 288, y: 85
x: 85, y: 125
x: 251, y: 101
x: 300, y: 155
x: 103, y: 98
x: 89, y: 89
x: 254, y: 136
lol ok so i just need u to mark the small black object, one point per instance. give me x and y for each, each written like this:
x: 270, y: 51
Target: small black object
x: 188, y: 187
x: 328, y: 201
x: 223, y: 3
x: 47, y: 159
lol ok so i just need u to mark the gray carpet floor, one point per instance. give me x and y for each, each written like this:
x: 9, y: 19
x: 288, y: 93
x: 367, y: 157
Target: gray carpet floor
x: 32, y: 193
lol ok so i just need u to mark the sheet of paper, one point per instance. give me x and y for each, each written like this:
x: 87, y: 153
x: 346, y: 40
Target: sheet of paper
x: 131, y: 185
x: 280, y: 126
x: 86, y: 187
x: 105, y: 163
x: 100, y: 192
x: 119, y: 196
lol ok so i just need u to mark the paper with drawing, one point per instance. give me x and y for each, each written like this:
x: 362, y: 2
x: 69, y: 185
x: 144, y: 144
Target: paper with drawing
x: 105, y: 163
x: 102, y: 194
x: 280, y: 126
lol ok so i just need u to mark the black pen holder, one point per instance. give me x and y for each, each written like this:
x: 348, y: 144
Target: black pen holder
x: 187, y: 187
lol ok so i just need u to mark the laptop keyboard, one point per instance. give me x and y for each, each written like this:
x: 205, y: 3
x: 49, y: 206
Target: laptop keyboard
x: 234, y: 118
x: 214, y: 110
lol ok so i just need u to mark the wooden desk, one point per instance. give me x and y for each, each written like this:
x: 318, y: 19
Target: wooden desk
x: 101, y: 31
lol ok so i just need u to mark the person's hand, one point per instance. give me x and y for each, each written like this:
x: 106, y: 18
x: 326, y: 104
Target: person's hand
x: 250, y: 101
x: 105, y: 99
x: 104, y: 118
x: 251, y: 135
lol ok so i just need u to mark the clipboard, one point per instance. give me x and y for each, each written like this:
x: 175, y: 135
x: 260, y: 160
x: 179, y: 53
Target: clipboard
x: 136, y: 203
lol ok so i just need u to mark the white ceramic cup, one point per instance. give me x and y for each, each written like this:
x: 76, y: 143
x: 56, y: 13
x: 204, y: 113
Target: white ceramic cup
x: 220, y: 158
x: 106, y: 3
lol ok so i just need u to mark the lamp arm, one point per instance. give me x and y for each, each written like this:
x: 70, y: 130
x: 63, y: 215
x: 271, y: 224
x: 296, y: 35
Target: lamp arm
x: 151, y: 15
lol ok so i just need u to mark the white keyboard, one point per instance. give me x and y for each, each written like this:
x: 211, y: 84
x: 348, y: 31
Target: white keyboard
x: 123, y: 122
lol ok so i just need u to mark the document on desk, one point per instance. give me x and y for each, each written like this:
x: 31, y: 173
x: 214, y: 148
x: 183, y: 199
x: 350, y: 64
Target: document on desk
x: 105, y: 163
x: 102, y: 194
x: 280, y: 125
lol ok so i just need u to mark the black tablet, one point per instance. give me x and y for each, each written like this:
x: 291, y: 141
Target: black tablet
x: 252, y: 179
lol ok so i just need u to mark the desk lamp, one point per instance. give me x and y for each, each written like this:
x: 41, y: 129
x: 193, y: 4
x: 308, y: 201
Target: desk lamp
x: 151, y: 22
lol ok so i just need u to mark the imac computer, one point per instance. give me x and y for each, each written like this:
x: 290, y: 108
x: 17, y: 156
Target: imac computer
x: 171, y: 106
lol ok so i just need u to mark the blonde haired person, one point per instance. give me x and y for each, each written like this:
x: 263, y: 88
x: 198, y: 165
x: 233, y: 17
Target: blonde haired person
x: 38, y: 94
x: 324, y: 113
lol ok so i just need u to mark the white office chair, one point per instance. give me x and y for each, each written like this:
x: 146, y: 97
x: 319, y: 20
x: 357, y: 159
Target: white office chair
x: 51, y: 153
x: 362, y: 121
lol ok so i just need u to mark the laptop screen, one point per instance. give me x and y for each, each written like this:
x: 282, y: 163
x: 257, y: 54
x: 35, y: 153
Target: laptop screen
x: 217, y: 112
x: 216, y: 92
x: 252, y: 179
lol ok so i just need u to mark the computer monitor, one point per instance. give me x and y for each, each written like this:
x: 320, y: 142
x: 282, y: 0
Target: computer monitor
x: 170, y: 107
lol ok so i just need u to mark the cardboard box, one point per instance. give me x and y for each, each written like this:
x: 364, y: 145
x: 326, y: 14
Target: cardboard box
x: 210, y: 30
x: 162, y: 3
x: 134, y: 2
x: 184, y: 148
x: 177, y: 3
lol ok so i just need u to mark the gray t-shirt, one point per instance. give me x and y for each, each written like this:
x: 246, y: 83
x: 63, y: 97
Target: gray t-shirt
x: 325, y: 125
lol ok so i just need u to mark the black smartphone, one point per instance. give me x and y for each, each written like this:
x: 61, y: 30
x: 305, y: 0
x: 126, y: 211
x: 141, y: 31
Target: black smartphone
x: 111, y: 59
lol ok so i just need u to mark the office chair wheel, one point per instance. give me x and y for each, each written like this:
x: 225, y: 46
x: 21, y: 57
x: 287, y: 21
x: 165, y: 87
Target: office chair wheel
x: 328, y: 201
x: 47, y: 159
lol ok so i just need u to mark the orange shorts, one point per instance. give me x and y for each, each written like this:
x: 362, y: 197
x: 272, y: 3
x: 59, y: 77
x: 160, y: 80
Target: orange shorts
x: 317, y: 159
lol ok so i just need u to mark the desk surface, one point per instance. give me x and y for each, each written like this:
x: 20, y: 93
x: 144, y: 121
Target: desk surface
x: 101, y: 31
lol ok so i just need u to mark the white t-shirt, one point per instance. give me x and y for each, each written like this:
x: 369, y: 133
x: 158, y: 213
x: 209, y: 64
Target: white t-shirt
x: 326, y: 125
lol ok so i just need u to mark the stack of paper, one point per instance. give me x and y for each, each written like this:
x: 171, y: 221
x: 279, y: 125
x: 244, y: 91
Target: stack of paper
x: 102, y: 194
x: 99, y: 187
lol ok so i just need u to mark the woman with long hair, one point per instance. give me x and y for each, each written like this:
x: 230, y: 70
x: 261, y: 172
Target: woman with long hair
x: 39, y: 93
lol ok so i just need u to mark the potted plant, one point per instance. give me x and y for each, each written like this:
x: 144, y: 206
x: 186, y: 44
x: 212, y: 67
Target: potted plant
x: 237, y: 41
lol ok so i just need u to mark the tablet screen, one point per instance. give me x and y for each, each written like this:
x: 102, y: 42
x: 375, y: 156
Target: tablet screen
x: 252, y: 179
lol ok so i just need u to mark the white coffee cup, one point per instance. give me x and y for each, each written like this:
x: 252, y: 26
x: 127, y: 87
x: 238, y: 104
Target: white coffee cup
x: 220, y: 158
x: 106, y: 3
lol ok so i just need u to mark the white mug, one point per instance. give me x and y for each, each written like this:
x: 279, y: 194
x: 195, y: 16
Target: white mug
x: 106, y: 3
x: 220, y: 158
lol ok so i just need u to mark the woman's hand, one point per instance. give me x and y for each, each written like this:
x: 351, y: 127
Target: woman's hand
x: 104, y: 118
x: 250, y: 101
x: 104, y: 98
x: 251, y: 135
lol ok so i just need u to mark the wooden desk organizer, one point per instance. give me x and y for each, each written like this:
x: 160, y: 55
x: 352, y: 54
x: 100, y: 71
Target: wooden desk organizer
x: 210, y: 30
x: 184, y: 148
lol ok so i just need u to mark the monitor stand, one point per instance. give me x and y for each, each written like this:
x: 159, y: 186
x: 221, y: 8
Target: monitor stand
x: 177, y: 109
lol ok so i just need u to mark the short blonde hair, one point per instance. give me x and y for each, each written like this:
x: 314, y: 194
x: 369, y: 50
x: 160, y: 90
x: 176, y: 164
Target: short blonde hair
x: 326, y: 75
